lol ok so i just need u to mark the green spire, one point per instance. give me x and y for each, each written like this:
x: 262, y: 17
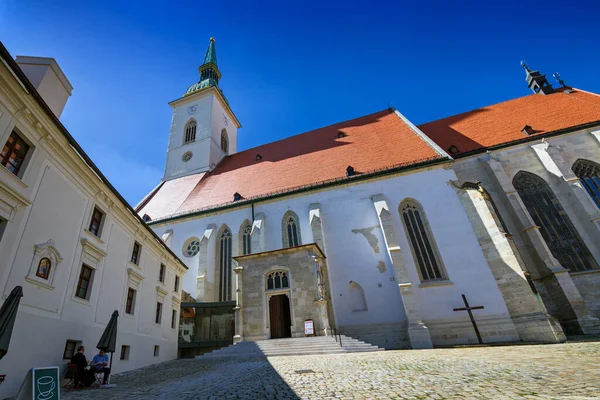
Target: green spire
x: 209, y: 71
x: 211, y: 53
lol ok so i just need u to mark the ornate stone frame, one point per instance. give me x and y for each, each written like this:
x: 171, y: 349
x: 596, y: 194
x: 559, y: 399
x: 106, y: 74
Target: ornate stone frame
x: 267, y: 294
x: 44, y: 250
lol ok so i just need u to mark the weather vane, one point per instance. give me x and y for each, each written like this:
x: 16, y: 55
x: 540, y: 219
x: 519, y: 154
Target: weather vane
x: 556, y: 76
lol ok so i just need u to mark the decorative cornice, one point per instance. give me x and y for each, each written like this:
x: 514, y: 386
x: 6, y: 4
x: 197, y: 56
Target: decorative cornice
x: 305, y: 247
x: 91, y: 250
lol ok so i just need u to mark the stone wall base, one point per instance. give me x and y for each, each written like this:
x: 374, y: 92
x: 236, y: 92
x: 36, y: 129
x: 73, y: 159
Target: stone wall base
x: 539, y: 327
x: 390, y: 336
x: 454, y: 331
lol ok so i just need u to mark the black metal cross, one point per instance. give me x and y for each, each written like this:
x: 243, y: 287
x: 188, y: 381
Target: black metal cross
x: 468, y: 309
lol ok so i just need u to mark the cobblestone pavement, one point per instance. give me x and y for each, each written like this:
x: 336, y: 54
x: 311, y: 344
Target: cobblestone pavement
x: 563, y: 371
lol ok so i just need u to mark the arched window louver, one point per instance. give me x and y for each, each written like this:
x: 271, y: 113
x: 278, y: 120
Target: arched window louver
x: 225, y: 265
x: 588, y: 173
x: 555, y: 226
x: 421, y: 242
x: 224, y: 141
x: 190, y: 132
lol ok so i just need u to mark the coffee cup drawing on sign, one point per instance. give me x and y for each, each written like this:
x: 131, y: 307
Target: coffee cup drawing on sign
x: 46, y: 387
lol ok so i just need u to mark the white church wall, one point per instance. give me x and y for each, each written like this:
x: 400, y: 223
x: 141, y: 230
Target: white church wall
x: 221, y: 118
x: 356, y: 250
x: 197, y: 107
x: 50, y: 205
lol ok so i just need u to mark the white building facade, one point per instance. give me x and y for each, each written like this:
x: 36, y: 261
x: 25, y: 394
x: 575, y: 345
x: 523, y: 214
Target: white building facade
x: 71, y: 241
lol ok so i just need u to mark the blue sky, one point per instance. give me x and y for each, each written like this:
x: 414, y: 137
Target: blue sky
x: 289, y: 67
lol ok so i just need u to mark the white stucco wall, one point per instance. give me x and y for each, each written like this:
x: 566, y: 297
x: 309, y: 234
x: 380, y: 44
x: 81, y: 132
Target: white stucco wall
x: 50, y: 205
x: 345, y: 211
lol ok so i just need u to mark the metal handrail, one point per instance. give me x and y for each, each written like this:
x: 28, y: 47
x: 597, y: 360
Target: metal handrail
x: 337, y: 333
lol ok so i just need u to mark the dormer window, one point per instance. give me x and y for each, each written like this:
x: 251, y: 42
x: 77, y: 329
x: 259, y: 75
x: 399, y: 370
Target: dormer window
x: 224, y: 141
x: 528, y: 130
x: 453, y: 149
x: 341, y: 135
x: 190, y: 132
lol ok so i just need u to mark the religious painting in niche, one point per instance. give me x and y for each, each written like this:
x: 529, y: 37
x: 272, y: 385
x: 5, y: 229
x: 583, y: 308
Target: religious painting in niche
x: 278, y: 280
x: 191, y: 247
x: 43, y: 269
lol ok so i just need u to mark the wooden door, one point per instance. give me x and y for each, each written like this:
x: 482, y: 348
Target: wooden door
x: 279, y: 316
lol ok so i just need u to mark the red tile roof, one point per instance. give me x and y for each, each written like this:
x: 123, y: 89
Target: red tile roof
x: 373, y: 142
x: 502, y: 123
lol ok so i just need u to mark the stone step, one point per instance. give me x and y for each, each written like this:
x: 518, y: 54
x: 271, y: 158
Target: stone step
x: 294, y: 347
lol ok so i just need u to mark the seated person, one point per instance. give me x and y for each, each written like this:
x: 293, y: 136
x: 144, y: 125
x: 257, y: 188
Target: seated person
x: 100, y: 364
x: 84, y: 373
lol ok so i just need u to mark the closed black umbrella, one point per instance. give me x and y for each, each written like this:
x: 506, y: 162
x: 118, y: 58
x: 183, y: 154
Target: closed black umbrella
x: 108, y: 340
x: 8, y: 314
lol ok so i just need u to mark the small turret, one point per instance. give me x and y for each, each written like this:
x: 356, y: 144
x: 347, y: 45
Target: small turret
x: 536, y: 81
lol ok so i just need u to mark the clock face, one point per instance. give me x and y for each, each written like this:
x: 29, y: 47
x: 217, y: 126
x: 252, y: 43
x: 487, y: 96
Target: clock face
x: 225, y: 120
x: 192, y: 109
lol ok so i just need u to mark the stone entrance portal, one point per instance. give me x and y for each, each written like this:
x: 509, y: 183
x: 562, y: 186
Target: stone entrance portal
x: 276, y: 291
x: 279, y: 316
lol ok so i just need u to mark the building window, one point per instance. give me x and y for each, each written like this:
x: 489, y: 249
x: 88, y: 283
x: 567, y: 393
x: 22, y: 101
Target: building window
x: 135, y: 254
x: 246, y: 236
x: 130, y: 304
x: 588, y: 173
x: 174, y: 319
x: 124, y: 352
x: 225, y: 265
x: 278, y: 280
x: 43, y: 269
x: 422, y: 243
x: 291, y: 230
x: 358, y: 300
x: 13, y: 153
x: 555, y: 225
x: 70, y: 348
x: 191, y: 247
x: 84, y: 285
x: 156, y: 350
x: 3, y: 224
x: 161, y: 273
x: 176, y: 288
x: 96, y: 222
x: 158, y: 316
x: 190, y: 132
x: 224, y: 141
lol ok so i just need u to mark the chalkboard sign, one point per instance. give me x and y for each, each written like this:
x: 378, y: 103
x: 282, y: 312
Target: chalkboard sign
x: 309, y: 327
x: 41, y: 384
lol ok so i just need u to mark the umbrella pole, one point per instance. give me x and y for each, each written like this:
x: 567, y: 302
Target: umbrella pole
x: 111, y: 357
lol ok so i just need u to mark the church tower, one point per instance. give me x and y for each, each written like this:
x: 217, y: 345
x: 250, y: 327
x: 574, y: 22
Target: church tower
x: 203, y: 128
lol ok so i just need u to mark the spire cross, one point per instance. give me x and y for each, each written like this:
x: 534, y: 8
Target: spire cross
x: 468, y: 309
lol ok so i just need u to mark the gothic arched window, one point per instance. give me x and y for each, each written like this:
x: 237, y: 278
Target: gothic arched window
x: 224, y: 141
x: 190, y: 131
x: 588, y: 173
x: 358, y: 301
x: 555, y: 226
x: 278, y: 280
x: 290, y: 230
x: 225, y: 265
x: 246, y: 238
x: 422, y: 243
